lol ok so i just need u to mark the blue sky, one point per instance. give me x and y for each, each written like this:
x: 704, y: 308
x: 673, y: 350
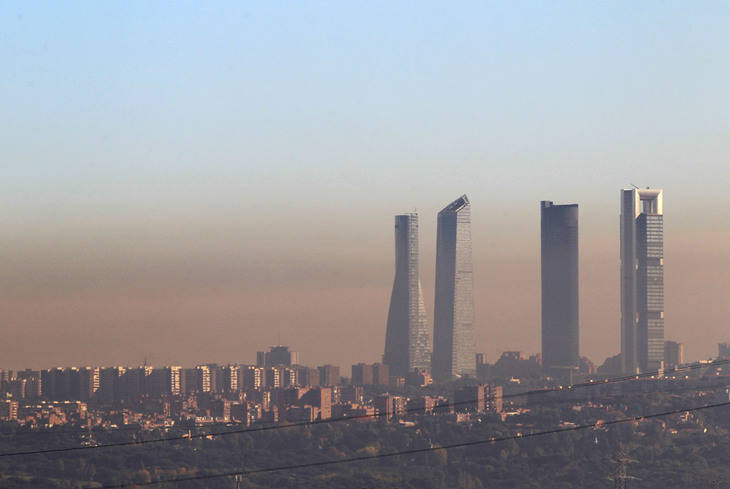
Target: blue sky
x: 112, y: 94
x: 144, y: 130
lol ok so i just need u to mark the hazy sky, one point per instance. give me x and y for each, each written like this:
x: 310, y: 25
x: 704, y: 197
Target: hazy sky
x: 191, y: 182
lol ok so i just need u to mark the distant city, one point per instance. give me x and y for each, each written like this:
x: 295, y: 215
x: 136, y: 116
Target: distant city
x: 278, y: 387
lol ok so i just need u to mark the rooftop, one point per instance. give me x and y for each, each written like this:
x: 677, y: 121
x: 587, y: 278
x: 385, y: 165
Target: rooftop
x: 456, y: 205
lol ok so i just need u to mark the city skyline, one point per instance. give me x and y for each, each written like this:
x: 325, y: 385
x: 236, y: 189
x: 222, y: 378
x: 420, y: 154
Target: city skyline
x: 184, y: 182
x: 285, y: 244
x: 658, y: 354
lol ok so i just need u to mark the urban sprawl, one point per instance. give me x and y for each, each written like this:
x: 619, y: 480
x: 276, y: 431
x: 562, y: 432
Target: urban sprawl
x: 422, y: 372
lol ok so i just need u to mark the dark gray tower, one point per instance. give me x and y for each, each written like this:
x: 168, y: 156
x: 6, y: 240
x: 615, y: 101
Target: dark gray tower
x: 407, y: 340
x: 559, y: 273
x: 642, y: 280
x: 454, y: 342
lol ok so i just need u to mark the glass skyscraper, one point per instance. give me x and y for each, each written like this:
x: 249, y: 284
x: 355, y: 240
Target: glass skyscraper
x: 642, y: 279
x: 407, y: 340
x: 559, y: 275
x: 454, y: 340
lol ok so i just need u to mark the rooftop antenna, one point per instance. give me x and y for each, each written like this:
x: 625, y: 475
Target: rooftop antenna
x: 637, y: 188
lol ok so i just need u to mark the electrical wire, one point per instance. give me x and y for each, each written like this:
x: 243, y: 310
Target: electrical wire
x: 351, y: 418
x: 597, y: 424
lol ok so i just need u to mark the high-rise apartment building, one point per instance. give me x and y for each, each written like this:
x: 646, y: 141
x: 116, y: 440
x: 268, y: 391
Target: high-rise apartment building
x: 471, y: 398
x: 166, y: 381
x: 642, y: 279
x: 231, y: 378
x: 34, y: 389
x: 673, y: 354
x: 407, y: 340
x: 289, y: 376
x: 454, y: 344
x: 371, y: 374
x: 203, y: 378
x: 138, y: 381
x: 362, y: 374
x: 252, y: 378
x: 559, y: 276
x: 307, y: 375
x: 320, y: 397
x: 110, y: 384
x: 329, y: 375
x: 384, y: 405
x: 55, y: 384
x: 5, y: 377
x: 9, y: 410
x: 272, y: 377
x: 381, y: 374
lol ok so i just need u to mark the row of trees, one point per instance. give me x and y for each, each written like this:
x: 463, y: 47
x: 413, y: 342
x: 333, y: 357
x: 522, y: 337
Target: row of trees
x: 580, y: 459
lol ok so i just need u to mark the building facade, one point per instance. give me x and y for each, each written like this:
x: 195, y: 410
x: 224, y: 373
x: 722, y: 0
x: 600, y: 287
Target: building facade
x: 642, y: 280
x: 277, y: 355
x: 407, y: 339
x: 559, y: 283
x: 329, y: 375
x: 362, y: 374
x: 673, y: 354
x: 454, y: 340
x: 381, y: 374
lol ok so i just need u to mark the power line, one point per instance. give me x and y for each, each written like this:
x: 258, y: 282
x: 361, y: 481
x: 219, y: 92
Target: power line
x: 632, y: 394
x: 354, y: 418
x: 213, y: 434
x: 416, y: 450
x: 533, y: 392
x: 590, y: 383
x: 559, y: 389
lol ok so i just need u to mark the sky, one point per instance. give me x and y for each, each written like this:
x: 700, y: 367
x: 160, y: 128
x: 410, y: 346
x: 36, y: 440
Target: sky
x: 188, y: 182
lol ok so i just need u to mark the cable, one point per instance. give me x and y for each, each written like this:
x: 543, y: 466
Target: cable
x: 624, y: 378
x: 271, y: 427
x: 528, y: 403
x: 347, y: 418
x: 417, y: 450
x: 630, y: 394
x: 592, y: 383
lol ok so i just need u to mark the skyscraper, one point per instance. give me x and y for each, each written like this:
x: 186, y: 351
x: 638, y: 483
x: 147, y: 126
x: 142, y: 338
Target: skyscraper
x: 407, y: 340
x: 559, y: 274
x: 454, y: 341
x: 642, y: 279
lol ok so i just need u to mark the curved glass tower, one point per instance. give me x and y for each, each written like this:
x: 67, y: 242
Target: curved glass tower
x: 407, y: 341
x: 453, y: 330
